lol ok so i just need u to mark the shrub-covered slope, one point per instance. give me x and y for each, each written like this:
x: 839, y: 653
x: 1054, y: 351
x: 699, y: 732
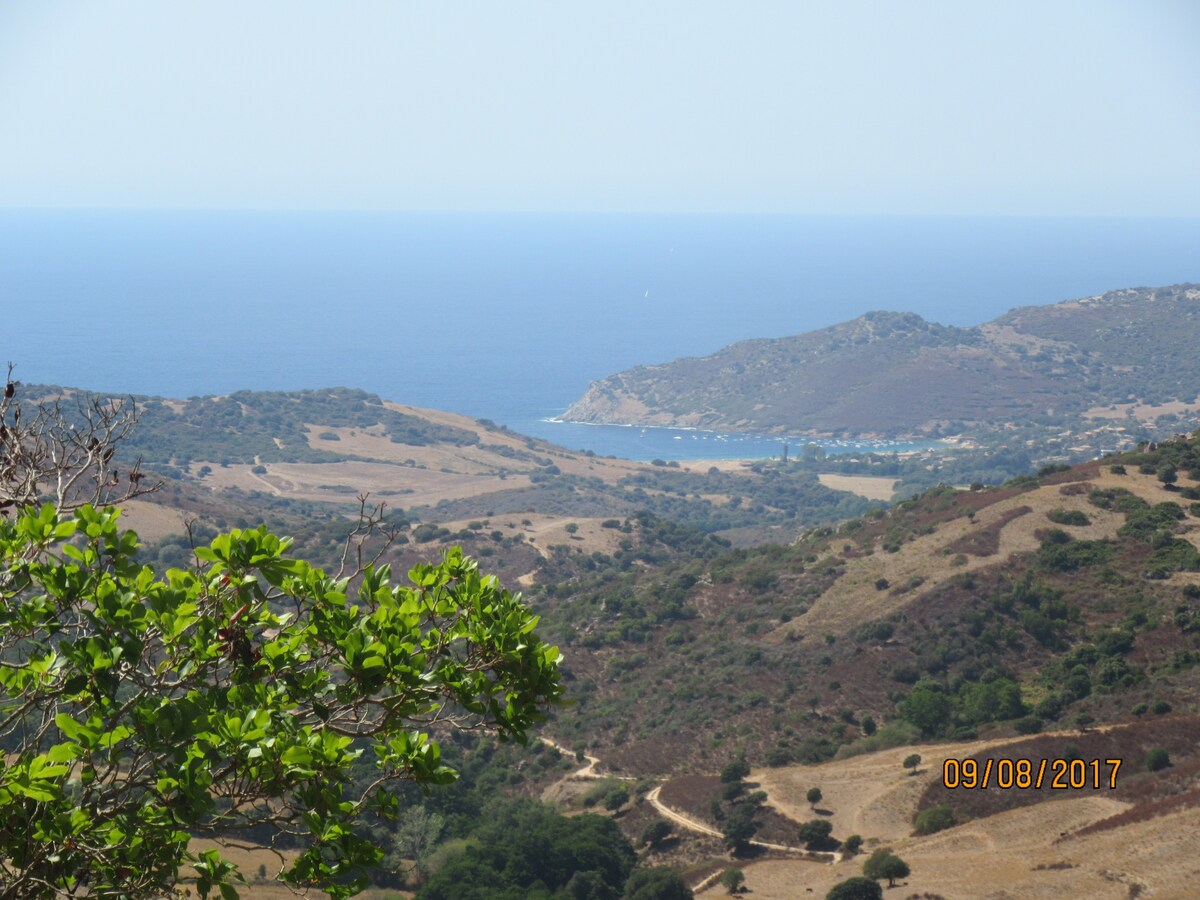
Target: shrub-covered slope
x: 895, y: 373
x: 1069, y: 597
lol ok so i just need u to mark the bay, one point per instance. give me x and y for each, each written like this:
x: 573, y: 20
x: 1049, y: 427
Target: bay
x: 510, y: 317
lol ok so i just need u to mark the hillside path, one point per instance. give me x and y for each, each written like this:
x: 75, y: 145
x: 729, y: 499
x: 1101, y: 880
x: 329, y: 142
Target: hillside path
x: 684, y: 821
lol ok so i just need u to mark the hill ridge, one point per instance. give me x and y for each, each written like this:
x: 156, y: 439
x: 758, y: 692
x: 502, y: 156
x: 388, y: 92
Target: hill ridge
x: 897, y: 374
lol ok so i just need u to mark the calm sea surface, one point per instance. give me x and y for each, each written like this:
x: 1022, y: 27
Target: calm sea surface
x: 510, y: 317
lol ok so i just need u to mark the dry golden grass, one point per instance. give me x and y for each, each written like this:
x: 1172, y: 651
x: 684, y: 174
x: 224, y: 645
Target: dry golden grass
x: 310, y: 481
x: 1143, y: 412
x: 544, y: 531
x: 420, y: 474
x: 152, y: 521
x: 1018, y: 853
x: 870, y: 486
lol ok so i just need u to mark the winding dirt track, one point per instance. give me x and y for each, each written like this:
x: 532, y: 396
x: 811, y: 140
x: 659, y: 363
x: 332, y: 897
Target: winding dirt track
x: 589, y: 771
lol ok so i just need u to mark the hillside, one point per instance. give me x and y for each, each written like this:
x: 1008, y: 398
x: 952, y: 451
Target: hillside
x: 896, y: 374
x: 1067, y: 597
x: 528, y: 508
x: 1056, y: 617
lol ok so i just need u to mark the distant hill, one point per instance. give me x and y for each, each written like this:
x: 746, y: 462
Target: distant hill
x: 529, y: 508
x: 894, y: 373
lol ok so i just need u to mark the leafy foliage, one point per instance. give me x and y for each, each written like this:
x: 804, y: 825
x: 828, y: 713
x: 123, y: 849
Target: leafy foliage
x: 657, y: 884
x: 527, y: 851
x: 733, y: 880
x: 142, y: 710
x: 815, y: 833
x: 885, y: 864
x: 856, y: 888
x: 935, y: 819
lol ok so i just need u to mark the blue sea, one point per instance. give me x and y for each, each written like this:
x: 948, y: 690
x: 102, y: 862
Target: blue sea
x: 509, y: 317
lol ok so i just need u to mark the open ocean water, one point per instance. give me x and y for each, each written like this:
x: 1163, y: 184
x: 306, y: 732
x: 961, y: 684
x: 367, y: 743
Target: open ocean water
x: 509, y: 317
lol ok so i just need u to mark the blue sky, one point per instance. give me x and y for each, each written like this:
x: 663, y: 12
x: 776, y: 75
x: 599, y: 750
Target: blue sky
x: 1045, y: 108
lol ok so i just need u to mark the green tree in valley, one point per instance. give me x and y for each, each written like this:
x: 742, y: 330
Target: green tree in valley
x: 1157, y: 759
x: 928, y: 706
x: 414, y: 839
x: 735, y: 770
x: 911, y: 762
x: 657, y: 884
x: 885, y: 864
x: 813, y: 796
x: 856, y: 888
x: 733, y: 880
x: 655, y: 832
x: 739, y: 829
x: 815, y: 834
x: 616, y: 797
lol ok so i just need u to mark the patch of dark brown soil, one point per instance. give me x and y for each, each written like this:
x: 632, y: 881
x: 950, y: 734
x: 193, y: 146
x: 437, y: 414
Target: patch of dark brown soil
x: 1129, y: 743
x: 986, y: 540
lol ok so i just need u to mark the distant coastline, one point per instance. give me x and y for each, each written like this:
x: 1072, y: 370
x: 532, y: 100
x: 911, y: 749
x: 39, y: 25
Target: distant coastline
x: 644, y: 443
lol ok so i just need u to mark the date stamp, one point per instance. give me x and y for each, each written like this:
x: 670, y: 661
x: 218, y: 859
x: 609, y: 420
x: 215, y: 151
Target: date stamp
x: 1005, y: 774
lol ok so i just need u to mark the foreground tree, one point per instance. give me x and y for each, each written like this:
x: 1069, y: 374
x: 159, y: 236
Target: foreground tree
x: 139, y: 710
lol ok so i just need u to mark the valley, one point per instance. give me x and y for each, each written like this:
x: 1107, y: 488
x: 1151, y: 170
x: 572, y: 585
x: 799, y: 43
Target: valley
x: 779, y: 618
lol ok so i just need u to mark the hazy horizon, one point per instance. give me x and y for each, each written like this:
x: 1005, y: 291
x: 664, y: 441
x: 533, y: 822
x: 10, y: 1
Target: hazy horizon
x: 856, y: 108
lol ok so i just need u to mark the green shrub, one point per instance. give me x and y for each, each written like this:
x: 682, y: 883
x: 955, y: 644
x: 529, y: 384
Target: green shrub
x: 935, y: 819
x: 1157, y: 759
x: 1068, y: 517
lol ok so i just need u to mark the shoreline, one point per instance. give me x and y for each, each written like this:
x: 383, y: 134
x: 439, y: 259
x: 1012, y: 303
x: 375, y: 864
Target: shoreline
x: 868, y: 442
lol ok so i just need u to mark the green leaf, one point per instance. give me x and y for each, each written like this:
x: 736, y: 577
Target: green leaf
x: 61, y: 753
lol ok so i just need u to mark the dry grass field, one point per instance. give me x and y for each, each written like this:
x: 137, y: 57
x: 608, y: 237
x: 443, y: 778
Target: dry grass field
x: 1031, y: 851
x: 152, y: 521
x: 329, y: 482
x: 1143, y: 412
x: 409, y: 475
x: 869, y: 486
